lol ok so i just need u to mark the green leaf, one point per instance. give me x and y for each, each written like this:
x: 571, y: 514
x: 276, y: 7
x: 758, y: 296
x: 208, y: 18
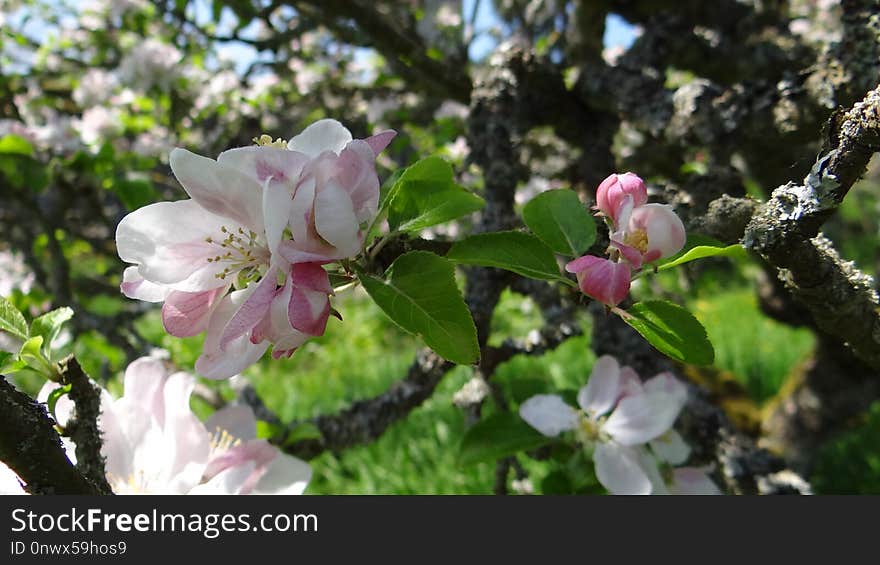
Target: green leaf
x: 703, y: 251
x: 16, y: 145
x: 498, y: 436
x: 426, y: 195
x: 11, y: 320
x: 693, y: 240
x: 301, y: 432
x: 515, y: 251
x: 31, y: 353
x: 421, y: 297
x: 49, y: 324
x: 135, y: 193
x: 671, y: 329
x: 53, y: 399
x: 561, y: 221
x: 5, y: 357
x: 267, y: 430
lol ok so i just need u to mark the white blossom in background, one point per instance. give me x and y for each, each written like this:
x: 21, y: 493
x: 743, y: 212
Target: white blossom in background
x: 451, y: 109
x: 306, y: 76
x: 150, y: 63
x: 220, y: 87
x: 95, y: 87
x: 154, y: 444
x: 157, y: 142
x: 14, y: 274
x: 618, y: 417
x: 99, y: 124
x: 15, y: 127
x: 458, y: 150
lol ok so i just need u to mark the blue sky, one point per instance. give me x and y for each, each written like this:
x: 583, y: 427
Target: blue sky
x: 617, y: 31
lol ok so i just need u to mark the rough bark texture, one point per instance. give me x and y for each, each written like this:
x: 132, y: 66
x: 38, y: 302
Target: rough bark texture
x: 30, y: 446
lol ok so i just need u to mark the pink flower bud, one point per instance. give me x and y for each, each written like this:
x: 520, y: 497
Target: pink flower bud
x: 612, y: 193
x: 604, y: 280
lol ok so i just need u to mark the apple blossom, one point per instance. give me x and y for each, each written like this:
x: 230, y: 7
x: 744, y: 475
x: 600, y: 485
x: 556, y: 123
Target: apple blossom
x: 154, y: 444
x: 320, y: 188
x: 618, y: 415
x: 647, y: 233
x: 640, y: 233
x: 336, y: 195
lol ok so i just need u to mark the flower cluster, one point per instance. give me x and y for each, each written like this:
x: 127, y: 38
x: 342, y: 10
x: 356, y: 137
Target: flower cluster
x: 640, y: 233
x: 242, y: 258
x: 154, y: 444
x: 627, y: 425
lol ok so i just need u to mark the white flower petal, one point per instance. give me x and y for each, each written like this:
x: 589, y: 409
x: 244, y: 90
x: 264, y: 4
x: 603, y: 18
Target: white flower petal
x: 237, y: 420
x: 335, y: 219
x: 548, y: 414
x: 671, y: 448
x: 284, y: 475
x: 323, y: 135
x: 219, y: 188
x: 641, y: 418
x: 619, y: 471
x: 602, y: 390
x: 692, y: 480
x: 137, y: 287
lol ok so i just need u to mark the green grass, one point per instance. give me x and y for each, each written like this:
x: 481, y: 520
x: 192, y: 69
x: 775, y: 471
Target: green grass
x: 759, y: 351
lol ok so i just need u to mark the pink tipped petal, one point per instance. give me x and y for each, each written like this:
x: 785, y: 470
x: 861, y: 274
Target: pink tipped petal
x: 356, y: 172
x: 240, y: 353
x: 135, y: 286
x: 641, y: 418
x: 582, y: 263
x: 220, y: 189
x: 308, y: 311
x: 603, y: 389
x: 548, y: 414
x: 606, y: 281
x: 323, y: 135
x: 168, y: 242
x: 265, y: 163
x: 614, y: 192
x: 379, y: 141
x: 186, y: 314
x: 619, y: 471
x: 251, y: 310
x: 295, y: 253
x: 692, y: 480
x: 632, y: 255
x: 311, y: 276
x: 236, y: 420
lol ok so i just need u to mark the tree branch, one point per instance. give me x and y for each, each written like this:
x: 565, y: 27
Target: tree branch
x: 30, y: 446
